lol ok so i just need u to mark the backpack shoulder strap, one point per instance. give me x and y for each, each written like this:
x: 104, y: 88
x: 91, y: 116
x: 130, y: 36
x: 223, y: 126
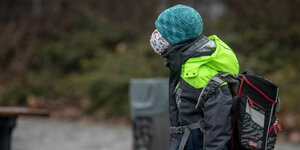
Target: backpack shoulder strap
x: 214, y: 83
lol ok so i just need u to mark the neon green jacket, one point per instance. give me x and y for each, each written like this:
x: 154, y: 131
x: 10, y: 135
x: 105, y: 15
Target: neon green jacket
x: 197, y: 71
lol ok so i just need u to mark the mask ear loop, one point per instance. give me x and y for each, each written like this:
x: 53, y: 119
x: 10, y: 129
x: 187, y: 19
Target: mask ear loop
x: 158, y: 43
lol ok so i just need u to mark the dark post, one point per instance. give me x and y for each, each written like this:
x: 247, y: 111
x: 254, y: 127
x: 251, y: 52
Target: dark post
x: 7, y: 124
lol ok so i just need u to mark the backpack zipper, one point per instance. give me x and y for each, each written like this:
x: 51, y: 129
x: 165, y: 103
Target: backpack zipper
x: 275, y: 127
x: 271, y: 114
x: 251, y: 102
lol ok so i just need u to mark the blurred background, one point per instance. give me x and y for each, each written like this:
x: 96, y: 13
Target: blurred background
x: 76, y: 57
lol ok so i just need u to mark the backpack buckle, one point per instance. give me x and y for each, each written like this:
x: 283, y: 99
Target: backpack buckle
x: 176, y: 130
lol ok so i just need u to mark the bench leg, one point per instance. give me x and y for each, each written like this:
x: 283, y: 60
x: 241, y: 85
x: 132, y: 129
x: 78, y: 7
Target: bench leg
x: 7, y: 124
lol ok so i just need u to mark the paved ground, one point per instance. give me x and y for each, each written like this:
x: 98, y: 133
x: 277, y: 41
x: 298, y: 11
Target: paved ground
x: 48, y: 134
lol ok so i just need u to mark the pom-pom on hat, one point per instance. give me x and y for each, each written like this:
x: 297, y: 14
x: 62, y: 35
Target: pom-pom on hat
x: 179, y: 23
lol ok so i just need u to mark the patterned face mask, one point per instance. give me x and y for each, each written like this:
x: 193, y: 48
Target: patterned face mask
x: 158, y: 43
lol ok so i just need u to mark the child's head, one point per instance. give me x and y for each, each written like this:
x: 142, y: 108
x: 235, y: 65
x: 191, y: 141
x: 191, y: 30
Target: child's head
x: 178, y: 24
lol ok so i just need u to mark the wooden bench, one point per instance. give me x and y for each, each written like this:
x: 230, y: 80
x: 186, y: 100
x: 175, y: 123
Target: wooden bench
x: 8, y: 117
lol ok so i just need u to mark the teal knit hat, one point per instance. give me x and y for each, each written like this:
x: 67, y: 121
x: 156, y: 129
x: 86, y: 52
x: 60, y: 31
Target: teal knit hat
x: 179, y: 23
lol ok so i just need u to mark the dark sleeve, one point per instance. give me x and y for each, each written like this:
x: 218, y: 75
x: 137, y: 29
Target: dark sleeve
x: 217, y: 119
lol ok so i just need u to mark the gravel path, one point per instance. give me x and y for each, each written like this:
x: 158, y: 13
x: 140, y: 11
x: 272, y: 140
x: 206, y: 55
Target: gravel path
x: 48, y: 134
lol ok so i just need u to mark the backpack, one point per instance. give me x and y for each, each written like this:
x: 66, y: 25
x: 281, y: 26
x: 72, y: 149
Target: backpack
x: 255, y: 101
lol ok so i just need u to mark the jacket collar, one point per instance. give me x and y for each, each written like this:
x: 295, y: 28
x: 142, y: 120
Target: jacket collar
x: 187, y: 48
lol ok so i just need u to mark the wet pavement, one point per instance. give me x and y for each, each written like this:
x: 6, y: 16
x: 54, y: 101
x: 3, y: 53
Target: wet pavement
x: 49, y: 134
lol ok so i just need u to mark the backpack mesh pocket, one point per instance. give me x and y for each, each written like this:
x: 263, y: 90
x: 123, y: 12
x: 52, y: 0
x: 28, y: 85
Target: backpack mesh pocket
x: 252, y: 127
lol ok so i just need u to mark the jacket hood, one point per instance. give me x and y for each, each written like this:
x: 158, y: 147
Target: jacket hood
x: 208, y: 61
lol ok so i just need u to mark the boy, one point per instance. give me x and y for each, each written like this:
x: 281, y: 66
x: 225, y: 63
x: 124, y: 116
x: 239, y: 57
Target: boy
x: 193, y: 59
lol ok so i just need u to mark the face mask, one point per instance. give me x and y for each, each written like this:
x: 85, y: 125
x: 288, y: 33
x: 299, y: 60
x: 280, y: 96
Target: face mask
x: 158, y: 43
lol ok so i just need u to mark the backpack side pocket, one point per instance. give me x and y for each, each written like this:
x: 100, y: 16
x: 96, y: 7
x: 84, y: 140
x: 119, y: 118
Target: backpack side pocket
x: 252, y: 124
